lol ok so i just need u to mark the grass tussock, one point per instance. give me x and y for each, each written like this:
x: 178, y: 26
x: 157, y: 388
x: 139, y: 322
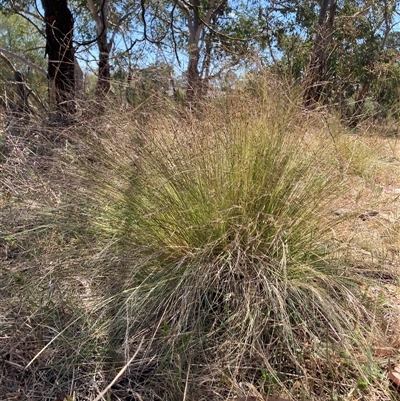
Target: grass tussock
x: 196, y: 255
x: 234, y: 267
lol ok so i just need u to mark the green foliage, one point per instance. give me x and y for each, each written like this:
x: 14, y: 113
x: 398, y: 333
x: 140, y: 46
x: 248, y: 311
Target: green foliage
x: 20, y: 37
x: 386, y: 87
x: 296, y: 53
x: 361, y: 71
x: 241, y: 33
x: 362, y: 61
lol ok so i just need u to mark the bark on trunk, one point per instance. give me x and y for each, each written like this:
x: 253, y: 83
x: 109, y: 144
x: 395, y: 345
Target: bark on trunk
x: 199, y: 16
x: 196, y: 26
x: 61, y: 69
x: 316, y: 79
x: 194, y: 83
x: 103, y: 82
x: 101, y: 19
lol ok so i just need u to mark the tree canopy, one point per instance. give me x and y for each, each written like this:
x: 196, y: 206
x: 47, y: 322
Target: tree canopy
x: 344, y: 53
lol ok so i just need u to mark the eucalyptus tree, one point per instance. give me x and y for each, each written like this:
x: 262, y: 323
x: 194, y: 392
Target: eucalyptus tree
x: 101, y: 22
x: 201, y: 18
x: 209, y: 37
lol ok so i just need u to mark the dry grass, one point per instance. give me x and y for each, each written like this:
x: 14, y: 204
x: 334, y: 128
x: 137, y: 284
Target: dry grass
x: 129, y: 230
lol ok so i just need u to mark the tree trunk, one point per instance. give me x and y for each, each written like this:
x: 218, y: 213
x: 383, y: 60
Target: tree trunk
x: 200, y: 15
x: 315, y: 80
x: 101, y: 19
x: 61, y: 69
x: 196, y: 26
x: 194, y: 84
x: 103, y: 82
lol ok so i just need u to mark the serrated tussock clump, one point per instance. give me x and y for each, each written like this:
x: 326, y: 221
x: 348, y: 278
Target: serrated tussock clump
x: 233, y: 275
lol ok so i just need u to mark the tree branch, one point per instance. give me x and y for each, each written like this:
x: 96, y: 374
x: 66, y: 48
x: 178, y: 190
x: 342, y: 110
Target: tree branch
x: 118, y: 25
x: 183, y: 6
x: 25, y: 61
x: 219, y: 9
x: 94, y: 13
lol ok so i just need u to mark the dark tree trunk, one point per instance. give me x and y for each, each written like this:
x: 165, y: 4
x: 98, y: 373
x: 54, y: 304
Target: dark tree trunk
x: 316, y: 79
x: 104, y: 80
x: 103, y: 83
x: 194, y: 83
x: 61, y: 70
